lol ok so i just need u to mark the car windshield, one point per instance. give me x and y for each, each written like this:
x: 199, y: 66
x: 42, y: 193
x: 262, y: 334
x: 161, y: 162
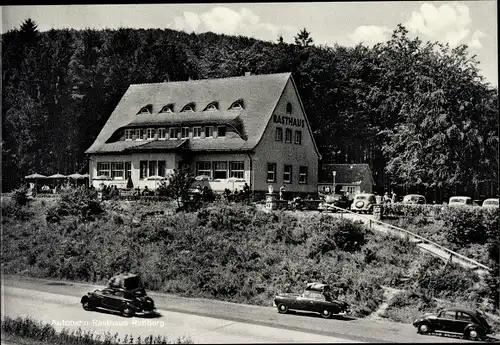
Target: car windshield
x: 491, y: 202
x: 361, y: 197
x: 457, y: 201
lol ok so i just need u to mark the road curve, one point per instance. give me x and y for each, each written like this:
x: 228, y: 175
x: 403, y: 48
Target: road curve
x: 203, y: 320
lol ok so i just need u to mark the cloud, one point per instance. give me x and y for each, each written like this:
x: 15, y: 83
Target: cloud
x: 223, y: 20
x: 370, y: 34
x: 449, y: 22
x: 474, y: 41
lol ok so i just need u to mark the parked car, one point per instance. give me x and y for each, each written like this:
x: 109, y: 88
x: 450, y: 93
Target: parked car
x: 338, y: 200
x: 471, y: 324
x: 124, y: 294
x: 414, y: 199
x: 460, y: 201
x: 363, y: 203
x: 317, y: 297
x: 490, y: 203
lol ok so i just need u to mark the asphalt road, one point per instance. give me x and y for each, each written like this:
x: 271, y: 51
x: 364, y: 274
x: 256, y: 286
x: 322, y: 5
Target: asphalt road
x: 203, y: 320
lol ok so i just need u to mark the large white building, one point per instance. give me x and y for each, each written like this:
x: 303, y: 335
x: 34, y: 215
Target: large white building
x: 250, y: 129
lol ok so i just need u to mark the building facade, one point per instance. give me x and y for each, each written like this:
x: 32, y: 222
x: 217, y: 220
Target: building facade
x: 230, y: 131
x: 351, y: 178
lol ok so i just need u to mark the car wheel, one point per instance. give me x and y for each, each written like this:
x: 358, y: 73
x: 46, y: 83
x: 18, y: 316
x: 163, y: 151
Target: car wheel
x: 127, y: 311
x: 282, y: 309
x: 87, y: 306
x: 326, y: 314
x: 472, y: 334
x: 424, y: 328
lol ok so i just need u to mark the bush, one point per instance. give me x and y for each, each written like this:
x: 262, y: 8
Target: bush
x: 80, y: 202
x: 20, y: 196
x: 407, y: 305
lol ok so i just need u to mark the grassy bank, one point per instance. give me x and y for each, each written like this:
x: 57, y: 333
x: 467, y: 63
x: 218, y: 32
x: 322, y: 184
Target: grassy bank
x: 228, y: 252
x: 27, y: 331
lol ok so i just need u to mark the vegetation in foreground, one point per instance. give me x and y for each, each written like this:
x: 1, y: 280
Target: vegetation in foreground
x: 26, y: 330
x: 227, y: 252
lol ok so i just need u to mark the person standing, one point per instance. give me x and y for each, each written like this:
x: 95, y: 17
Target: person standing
x: 282, y: 189
x: 394, y: 198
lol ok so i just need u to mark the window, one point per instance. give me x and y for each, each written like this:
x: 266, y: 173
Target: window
x: 167, y: 109
x: 162, y: 168
x: 298, y: 137
x: 220, y: 170
x: 464, y: 317
x: 143, y: 169
x: 221, y: 131
x: 162, y: 133
x: 196, y: 132
x: 103, y: 168
x: 153, y: 165
x: 188, y: 107
x: 212, y: 107
x: 351, y: 189
x: 288, y: 135
x: 271, y: 172
x: 302, y: 174
x: 139, y: 134
x: 128, y: 170
x: 287, y: 174
x: 174, y: 132
x: 289, y: 108
x: 203, y: 168
x: 185, y: 132
x: 447, y: 314
x: 209, y: 131
x: 150, y: 133
x: 237, y: 105
x: 117, y: 171
x: 128, y: 134
x: 236, y: 169
x: 279, y: 134
x: 145, y: 110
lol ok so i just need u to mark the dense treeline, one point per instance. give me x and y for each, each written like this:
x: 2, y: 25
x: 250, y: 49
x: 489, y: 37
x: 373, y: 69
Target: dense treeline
x: 417, y: 111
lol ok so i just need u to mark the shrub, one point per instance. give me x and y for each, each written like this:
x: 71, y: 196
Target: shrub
x: 405, y: 306
x: 20, y: 196
x: 80, y: 202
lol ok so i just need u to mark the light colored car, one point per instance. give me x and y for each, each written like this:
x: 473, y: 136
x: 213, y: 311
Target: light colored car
x: 490, y: 203
x: 363, y: 203
x: 414, y: 199
x: 460, y: 201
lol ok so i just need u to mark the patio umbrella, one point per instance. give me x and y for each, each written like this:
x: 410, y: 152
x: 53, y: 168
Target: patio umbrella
x: 34, y: 176
x: 102, y: 177
x: 202, y: 178
x: 85, y: 176
x: 76, y: 176
x: 233, y: 180
x: 56, y: 176
x: 155, y: 178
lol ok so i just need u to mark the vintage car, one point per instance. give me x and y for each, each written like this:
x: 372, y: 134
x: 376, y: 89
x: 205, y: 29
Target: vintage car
x: 460, y: 201
x: 363, y: 203
x: 490, y: 203
x: 124, y: 294
x: 414, y: 199
x: 337, y: 200
x: 471, y: 324
x: 317, y: 298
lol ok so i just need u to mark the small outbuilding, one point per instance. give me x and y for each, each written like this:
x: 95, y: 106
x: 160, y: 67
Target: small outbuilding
x: 351, y: 178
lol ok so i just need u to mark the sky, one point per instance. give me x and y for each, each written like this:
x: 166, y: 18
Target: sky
x: 346, y: 23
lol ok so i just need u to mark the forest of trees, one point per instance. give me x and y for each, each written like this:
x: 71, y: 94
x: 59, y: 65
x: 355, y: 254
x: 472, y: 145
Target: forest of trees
x: 418, y: 112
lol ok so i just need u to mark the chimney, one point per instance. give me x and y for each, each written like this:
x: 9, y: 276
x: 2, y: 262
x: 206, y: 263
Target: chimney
x: 248, y: 74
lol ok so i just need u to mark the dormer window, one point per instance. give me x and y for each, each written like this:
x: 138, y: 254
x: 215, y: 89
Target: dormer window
x: 167, y: 109
x: 188, y: 107
x: 214, y: 106
x: 237, y: 105
x: 289, y: 108
x: 145, y: 110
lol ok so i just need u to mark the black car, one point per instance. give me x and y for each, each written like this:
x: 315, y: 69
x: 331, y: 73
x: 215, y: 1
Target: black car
x: 316, y: 298
x: 124, y: 294
x: 471, y: 324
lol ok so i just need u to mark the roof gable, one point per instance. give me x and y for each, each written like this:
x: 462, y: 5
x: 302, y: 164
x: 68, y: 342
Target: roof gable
x: 258, y: 92
x: 345, y: 173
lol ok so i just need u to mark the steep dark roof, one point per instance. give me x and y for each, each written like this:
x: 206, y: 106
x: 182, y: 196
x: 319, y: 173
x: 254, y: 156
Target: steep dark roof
x: 158, y: 145
x: 260, y: 94
x: 346, y: 173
